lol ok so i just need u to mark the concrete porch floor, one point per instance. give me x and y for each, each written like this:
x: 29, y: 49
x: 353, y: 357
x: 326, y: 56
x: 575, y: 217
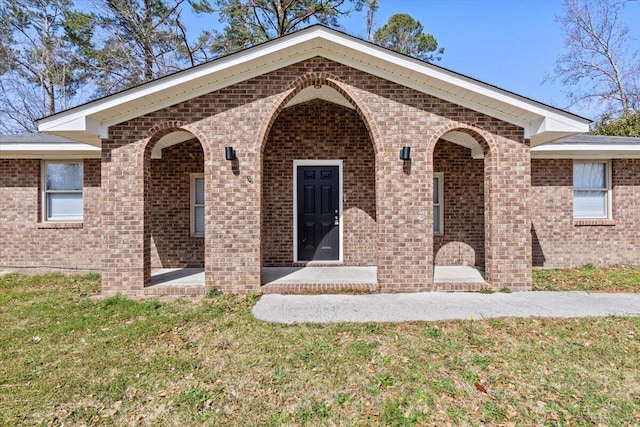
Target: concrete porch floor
x: 177, y: 278
x: 457, y: 274
x: 321, y: 275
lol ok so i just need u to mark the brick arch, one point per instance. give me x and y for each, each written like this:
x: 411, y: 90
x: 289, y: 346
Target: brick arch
x: 484, y: 138
x: 153, y: 135
x: 333, y: 81
x: 159, y: 130
x: 491, y: 153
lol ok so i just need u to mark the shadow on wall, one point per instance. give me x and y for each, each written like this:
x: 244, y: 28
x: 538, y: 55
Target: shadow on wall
x: 456, y: 253
x: 537, y: 253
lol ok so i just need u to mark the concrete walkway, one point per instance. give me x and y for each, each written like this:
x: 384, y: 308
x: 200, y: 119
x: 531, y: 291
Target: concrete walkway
x: 441, y: 306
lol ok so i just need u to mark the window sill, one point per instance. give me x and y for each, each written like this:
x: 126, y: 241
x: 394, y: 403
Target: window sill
x: 59, y: 225
x: 594, y: 222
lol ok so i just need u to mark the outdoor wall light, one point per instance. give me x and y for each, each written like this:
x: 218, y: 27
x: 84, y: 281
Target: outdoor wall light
x: 229, y: 153
x: 405, y: 153
x: 317, y: 86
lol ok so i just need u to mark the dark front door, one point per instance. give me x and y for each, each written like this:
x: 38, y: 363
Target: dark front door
x: 318, y: 213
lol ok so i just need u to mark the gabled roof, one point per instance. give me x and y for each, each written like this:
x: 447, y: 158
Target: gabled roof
x: 89, y: 122
x: 585, y: 146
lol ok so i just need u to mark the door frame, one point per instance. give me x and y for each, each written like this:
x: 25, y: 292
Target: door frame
x: 297, y: 163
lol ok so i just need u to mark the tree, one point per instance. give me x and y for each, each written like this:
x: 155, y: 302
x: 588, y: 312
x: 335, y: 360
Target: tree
x: 598, y: 67
x: 404, y: 34
x: 144, y: 41
x: 249, y: 22
x: 371, y: 8
x: 42, y: 73
x: 628, y: 125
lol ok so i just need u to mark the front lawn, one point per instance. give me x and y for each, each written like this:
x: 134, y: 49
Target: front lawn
x: 619, y: 278
x: 67, y: 358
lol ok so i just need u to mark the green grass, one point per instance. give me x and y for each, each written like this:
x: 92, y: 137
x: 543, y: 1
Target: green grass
x: 69, y: 358
x: 620, y: 278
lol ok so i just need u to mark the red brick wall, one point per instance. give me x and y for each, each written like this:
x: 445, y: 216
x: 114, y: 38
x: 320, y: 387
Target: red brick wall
x: 463, y: 240
x: 26, y: 242
x: 242, y: 115
x: 171, y: 243
x: 559, y: 241
x: 319, y: 130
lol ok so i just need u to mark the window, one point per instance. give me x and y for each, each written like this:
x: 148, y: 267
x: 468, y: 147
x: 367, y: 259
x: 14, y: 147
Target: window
x: 62, y: 191
x: 197, y: 205
x: 438, y: 225
x: 591, y: 190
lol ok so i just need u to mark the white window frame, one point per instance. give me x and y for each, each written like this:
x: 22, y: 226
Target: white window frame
x: 440, y: 177
x: 297, y: 163
x: 193, y: 205
x: 45, y: 192
x: 607, y: 190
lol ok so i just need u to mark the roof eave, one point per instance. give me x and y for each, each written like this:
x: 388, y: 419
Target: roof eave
x: 83, y: 123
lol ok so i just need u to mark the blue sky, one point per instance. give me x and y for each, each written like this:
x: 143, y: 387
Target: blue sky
x: 508, y: 43
x: 511, y: 44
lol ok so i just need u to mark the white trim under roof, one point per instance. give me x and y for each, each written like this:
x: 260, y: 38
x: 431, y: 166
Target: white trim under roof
x: 89, y: 123
x: 71, y: 151
x: 586, y: 151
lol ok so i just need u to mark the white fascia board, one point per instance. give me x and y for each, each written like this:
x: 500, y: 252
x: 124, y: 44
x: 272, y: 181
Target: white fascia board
x: 458, y: 80
x: 72, y: 119
x: 586, y: 151
x: 301, y: 46
x: 49, y: 151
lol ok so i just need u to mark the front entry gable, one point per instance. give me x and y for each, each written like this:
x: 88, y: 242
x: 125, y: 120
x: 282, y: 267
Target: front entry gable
x: 89, y: 123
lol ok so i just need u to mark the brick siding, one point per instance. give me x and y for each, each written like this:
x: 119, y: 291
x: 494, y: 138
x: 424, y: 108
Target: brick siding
x: 27, y: 242
x: 243, y: 115
x: 462, y: 242
x: 171, y: 243
x: 319, y: 130
x: 560, y: 241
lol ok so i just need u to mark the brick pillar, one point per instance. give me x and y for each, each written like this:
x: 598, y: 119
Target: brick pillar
x: 507, y: 218
x: 233, y: 218
x: 405, y: 242
x: 122, y: 220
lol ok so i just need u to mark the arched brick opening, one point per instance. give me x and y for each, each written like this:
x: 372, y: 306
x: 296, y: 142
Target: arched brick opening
x: 464, y: 158
x: 319, y: 130
x: 174, y: 187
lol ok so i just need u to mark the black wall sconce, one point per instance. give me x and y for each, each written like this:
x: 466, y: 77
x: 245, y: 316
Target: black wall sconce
x: 229, y: 153
x: 405, y: 153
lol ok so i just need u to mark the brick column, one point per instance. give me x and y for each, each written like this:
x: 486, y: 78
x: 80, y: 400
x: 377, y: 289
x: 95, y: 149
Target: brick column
x: 122, y: 219
x: 507, y: 218
x: 405, y: 242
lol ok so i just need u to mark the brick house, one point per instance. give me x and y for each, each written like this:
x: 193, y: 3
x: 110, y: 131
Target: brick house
x: 316, y: 148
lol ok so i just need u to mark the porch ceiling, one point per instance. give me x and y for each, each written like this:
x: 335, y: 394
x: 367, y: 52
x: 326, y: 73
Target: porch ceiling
x: 89, y: 123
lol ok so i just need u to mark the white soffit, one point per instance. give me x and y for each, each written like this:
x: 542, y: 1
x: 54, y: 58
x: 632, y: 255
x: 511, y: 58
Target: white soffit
x: 466, y: 141
x: 168, y: 140
x: 90, y: 122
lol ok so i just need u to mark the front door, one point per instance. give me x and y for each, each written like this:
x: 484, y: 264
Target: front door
x: 318, y: 204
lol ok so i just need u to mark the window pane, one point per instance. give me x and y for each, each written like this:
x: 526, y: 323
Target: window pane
x: 198, y: 227
x: 589, y: 175
x: 64, y: 205
x: 199, y: 191
x: 590, y: 204
x: 436, y: 190
x: 436, y: 219
x: 64, y: 176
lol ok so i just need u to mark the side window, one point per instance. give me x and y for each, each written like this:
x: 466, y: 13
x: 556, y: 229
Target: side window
x: 62, y: 191
x: 438, y: 214
x: 591, y: 189
x: 197, y: 205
